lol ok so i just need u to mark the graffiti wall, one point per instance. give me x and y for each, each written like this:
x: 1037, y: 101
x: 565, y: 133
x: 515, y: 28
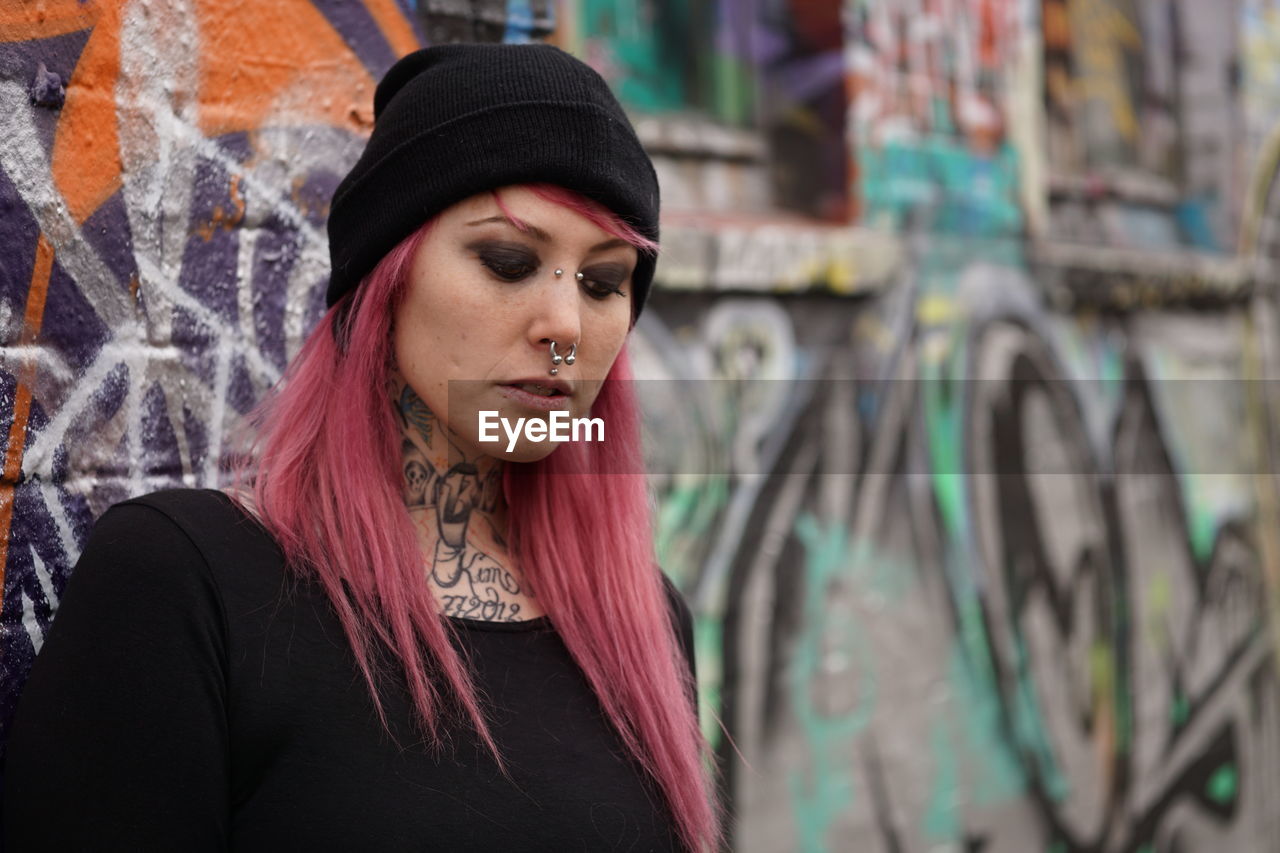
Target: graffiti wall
x: 985, y: 559
x: 165, y: 170
x: 1022, y: 612
x: 970, y: 493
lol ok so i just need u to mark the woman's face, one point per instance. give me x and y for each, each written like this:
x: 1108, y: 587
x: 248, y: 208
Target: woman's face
x: 483, y: 304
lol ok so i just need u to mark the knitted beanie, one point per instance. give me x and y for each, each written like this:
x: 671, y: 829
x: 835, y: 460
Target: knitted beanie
x: 454, y: 120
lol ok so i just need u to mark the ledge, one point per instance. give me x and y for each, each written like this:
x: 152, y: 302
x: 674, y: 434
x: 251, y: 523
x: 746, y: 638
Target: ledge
x: 1126, y: 279
x: 691, y: 135
x: 773, y: 254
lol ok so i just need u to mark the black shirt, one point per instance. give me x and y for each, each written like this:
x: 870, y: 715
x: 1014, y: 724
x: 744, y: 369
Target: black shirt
x: 190, y: 696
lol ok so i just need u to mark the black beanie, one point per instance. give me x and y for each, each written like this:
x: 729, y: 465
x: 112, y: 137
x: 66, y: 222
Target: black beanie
x: 454, y: 120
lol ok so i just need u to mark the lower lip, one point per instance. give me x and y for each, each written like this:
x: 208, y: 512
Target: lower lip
x: 535, y: 401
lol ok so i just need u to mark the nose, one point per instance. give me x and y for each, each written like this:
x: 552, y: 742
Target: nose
x: 558, y: 317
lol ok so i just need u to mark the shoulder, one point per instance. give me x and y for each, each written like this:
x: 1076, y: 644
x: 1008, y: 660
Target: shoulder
x: 158, y: 529
x: 139, y: 571
x: 197, y: 538
x: 191, y: 510
x: 215, y: 525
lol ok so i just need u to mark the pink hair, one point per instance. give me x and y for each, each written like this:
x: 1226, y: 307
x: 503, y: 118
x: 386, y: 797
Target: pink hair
x: 330, y: 429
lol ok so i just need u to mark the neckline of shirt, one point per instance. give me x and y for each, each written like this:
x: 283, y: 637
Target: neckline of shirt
x: 539, y: 623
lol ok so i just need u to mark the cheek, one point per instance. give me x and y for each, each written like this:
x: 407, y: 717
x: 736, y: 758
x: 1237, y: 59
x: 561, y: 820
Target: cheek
x: 607, y: 344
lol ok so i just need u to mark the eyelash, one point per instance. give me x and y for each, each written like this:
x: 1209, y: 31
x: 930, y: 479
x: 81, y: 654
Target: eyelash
x: 497, y: 265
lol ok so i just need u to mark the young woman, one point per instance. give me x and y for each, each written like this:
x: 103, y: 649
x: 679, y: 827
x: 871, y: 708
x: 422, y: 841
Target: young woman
x: 392, y: 634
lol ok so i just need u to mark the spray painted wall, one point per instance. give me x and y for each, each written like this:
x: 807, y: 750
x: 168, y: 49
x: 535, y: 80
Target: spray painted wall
x: 910, y: 653
x: 165, y: 173
x: 986, y: 559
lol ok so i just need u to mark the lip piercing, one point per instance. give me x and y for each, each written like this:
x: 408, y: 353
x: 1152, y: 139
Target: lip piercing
x: 556, y: 358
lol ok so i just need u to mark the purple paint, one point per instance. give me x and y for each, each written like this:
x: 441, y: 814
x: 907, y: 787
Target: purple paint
x: 8, y: 390
x: 18, y: 236
x: 353, y: 22
x: 314, y: 195
x: 196, y: 345
x: 107, y: 231
x: 275, y: 255
x: 242, y: 393
x: 160, y: 457
x: 32, y: 528
x: 209, y: 262
x: 59, y: 56
x: 47, y: 89
x: 197, y: 440
x: 103, y: 405
x: 70, y: 324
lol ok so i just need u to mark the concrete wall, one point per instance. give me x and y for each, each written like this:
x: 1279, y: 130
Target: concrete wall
x: 983, y: 554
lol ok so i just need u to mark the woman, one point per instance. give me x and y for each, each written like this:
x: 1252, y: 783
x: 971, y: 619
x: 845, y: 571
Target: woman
x: 393, y: 634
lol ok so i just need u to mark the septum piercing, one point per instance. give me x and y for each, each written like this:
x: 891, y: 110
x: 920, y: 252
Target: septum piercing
x: 556, y: 358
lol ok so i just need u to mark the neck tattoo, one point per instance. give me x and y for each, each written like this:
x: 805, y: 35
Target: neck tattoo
x: 457, y: 506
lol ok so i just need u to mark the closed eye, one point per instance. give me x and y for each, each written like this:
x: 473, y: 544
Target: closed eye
x: 603, y: 280
x: 509, y: 265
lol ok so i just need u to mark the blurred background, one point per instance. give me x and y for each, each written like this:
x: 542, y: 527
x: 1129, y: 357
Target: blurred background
x: 922, y: 242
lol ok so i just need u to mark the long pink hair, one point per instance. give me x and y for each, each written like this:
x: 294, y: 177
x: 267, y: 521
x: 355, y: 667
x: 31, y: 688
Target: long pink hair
x: 323, y: 467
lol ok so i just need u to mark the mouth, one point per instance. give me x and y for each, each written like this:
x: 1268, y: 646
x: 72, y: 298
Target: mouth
x: 538, y: 394
x: 549, y: 388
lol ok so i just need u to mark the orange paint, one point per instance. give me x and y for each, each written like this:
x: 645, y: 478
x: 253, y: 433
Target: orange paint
x: 86, y: 148
x: 395, y: 28
x: 261, y: 64
x: 32, y: 21
x: 32, y: 318
x: 273, y: 64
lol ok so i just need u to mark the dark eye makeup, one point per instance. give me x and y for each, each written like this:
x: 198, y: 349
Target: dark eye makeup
x: 508, y: 263
x: 512, y: 262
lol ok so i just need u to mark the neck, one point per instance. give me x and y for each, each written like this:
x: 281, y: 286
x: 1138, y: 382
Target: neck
x: 456, y: 502
x: 454, y: 497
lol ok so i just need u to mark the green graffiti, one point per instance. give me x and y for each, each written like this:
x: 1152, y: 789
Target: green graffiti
x: 684, y: 519
x: 824, y: 789
x: 996, y: 774
x: 940, y: 821
x: 1028, y: 726
x: 959, y: 191
x: 1223, y: 784
x: 942, y: 423
x: 734, y: 90
x: 708, y: 641
x: 650, y: 54
x: 1202, y: 521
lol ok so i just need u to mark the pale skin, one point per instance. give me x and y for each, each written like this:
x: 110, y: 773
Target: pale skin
x: 482, y: 305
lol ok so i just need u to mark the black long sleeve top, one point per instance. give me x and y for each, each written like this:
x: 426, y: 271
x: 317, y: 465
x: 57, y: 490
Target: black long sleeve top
x: 190, y: 696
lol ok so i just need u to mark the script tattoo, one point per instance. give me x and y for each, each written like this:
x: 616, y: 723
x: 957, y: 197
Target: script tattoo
x: 456, y: 510
x: 474, y: 579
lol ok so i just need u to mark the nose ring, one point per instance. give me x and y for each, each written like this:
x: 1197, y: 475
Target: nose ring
x: 568, y: 358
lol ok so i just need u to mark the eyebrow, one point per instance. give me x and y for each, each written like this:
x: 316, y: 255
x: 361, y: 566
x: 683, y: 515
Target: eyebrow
x: 543, y: 237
